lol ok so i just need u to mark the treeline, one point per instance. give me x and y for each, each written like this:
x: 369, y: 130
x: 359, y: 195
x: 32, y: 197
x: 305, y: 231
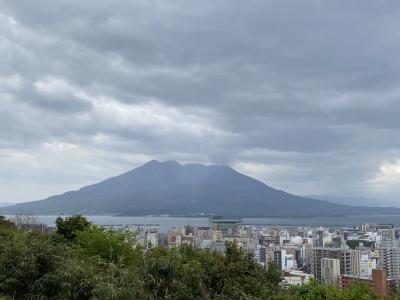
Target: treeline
x: 83, y: 261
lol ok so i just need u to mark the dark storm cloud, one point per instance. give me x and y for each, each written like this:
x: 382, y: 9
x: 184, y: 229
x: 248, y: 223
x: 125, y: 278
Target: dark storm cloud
x: 302, y: 94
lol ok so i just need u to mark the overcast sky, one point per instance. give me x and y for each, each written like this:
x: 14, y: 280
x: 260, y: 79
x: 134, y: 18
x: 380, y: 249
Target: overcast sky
x: 303, y: 95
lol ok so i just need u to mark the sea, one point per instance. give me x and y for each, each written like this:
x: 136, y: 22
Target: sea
x: 165, y: 222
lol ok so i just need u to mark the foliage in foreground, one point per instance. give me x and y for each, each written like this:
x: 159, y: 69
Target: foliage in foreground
x: 83, y: 261
x: 315, y: 291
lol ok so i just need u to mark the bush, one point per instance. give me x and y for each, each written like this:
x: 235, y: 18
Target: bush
x: 70, y: 226
x: 6, y: 227
x: 82, y: 261
x: 112, y: 246
x: 24, y: 259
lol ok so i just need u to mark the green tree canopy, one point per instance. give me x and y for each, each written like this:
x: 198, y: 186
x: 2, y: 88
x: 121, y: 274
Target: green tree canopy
x: 7, y: 227
x: 112, y: 246
x: 70, y: 226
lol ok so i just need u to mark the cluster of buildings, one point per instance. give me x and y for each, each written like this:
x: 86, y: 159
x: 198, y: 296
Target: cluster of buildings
x: 368, y: 253
x: 335, y: 256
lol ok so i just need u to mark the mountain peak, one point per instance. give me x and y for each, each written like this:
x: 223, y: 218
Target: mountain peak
x: 162, y: 163
x: 174, y: 163
x: 167, y: 187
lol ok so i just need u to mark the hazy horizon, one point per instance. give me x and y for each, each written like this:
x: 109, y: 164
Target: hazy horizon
x: 303, y: 96
x: 341, y: 199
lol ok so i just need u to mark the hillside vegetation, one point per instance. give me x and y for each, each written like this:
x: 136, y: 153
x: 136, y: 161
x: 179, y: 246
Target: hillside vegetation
x: 83, y: 261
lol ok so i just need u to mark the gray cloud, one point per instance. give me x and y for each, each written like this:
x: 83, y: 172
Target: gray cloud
x: 301, y: 94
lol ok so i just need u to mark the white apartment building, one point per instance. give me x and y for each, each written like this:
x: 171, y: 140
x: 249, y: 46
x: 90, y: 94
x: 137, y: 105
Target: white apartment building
x: 389, y: 260
x: 367, y: 263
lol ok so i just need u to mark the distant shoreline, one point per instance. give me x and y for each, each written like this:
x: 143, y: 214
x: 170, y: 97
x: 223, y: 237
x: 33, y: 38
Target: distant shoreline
x: 204, y: 216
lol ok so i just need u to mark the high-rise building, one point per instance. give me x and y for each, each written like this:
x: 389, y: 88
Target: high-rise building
x: 387, y: 234
x: 367, y: 264
x: 337, y: 241
x: 278, y: 258
x: 389, y: 260
x: 349, y: 260
x: 330, y: 271
x: 319, y: 239
x: 260, y: 254
x: 282, y: 259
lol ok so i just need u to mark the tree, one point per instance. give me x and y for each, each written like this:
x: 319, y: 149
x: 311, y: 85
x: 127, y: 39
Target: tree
x: 24, y: 259
x: 316, y: 291
x: 273, y: 276
x: 70, y: 226
x: 359, y: 290
x: 103, y: 264
x: 7, y: 227
x: 5, y: 222
x: 354, y: 243
x: 245, y: 278
x: 112, y: 246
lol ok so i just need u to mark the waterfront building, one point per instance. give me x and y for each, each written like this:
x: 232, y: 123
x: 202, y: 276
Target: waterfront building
x: 226, y: 226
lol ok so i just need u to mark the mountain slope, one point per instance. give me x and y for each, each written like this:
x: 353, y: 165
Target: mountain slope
x: 171, y: 188
x: 349, y: 200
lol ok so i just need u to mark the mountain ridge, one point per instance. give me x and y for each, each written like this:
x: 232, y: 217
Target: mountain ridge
x: 354, y: 200
x: 187, y: 190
